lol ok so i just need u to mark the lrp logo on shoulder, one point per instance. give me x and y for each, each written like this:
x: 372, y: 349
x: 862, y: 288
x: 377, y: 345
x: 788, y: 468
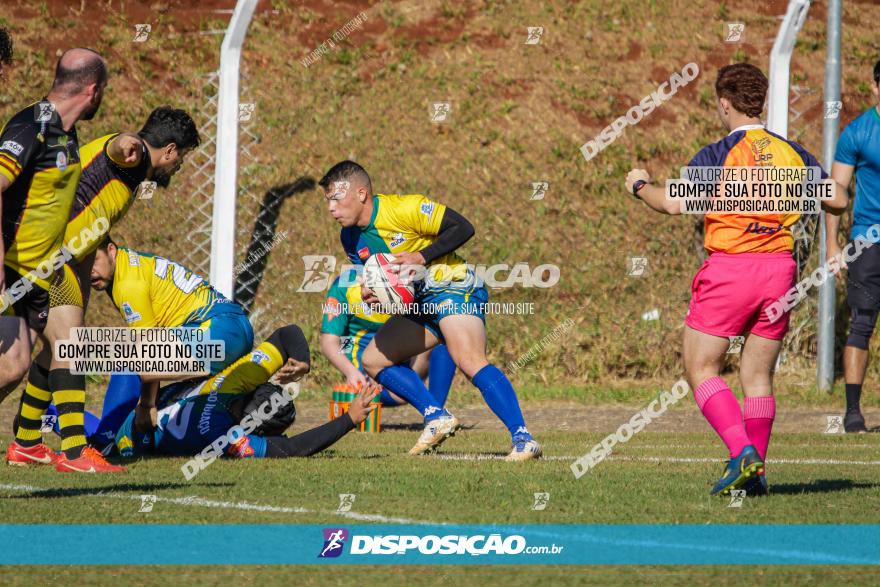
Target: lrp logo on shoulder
x: 334, y: 541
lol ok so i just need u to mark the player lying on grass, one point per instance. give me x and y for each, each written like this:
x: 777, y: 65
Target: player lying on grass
x: 419, y: 231
x: 194, y: 416
x: 39, y: 172
x: 150, y: 291
x: 747, y: 270
x: 114, y: 166
x: 348, y: 327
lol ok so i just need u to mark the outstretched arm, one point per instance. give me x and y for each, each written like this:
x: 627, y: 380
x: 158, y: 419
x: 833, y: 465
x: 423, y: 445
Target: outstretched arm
x: 653, y: 196
x: 317, y: 439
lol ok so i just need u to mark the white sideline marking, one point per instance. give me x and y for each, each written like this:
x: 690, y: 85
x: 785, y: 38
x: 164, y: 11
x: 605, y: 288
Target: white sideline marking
x: 487, y: 457
x: 237, y: 505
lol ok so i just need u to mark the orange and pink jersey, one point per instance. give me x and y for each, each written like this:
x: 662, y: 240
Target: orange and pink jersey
x: 750, y: 146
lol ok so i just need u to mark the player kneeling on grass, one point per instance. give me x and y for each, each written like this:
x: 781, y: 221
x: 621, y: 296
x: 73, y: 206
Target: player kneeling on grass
x: 348, y: 327
x: 151, y: 291
x: 421, y: 232
x: 748, y: 270
x: 239, y: 413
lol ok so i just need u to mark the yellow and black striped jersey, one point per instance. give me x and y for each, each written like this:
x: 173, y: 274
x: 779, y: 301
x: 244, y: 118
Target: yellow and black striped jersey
x: 41, y: 161
x: 106, y: 189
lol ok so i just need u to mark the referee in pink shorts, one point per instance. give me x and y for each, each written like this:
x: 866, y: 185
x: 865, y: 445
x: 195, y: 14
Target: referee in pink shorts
x: 750, y: 266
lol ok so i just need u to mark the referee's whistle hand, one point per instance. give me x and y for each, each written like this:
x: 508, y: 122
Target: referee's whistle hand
x: 634, y: 175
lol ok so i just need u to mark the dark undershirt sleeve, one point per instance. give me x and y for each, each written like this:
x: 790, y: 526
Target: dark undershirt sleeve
x: 455, y: 230
x: 311, y: 441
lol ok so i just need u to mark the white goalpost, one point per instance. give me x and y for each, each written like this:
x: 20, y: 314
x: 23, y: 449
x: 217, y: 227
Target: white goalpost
x: 226, y: 161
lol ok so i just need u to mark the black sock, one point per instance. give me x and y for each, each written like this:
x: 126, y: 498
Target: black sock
x: 853, y: 394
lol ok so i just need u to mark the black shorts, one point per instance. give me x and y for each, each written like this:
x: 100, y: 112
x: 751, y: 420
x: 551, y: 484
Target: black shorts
x: 33, y: 306
x: 863, y: 280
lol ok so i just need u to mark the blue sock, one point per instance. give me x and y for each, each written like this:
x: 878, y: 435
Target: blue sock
x: 406, y: 383
x: 122, y: 396
x: 91, y: 421
x: 387, y: 400
x: 440, y: 373
x: 501, y: 399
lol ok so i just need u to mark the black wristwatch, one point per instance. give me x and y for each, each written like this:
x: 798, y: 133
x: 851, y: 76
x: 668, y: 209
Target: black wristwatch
x: 637, y: 185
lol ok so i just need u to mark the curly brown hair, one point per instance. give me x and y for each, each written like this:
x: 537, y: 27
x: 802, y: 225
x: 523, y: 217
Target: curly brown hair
x: 745, y: 86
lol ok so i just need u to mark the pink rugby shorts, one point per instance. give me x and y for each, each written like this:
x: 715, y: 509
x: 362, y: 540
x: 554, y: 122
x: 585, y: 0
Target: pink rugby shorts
x: 731, y: 293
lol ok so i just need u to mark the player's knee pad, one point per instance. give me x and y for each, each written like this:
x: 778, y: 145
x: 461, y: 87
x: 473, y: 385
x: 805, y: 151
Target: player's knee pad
x: 861, y: 327
x: 291, y: 341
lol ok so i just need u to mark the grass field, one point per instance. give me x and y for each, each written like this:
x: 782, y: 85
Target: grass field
x: 420, y: 575
x: 656, y: 478
x: 520, y: 114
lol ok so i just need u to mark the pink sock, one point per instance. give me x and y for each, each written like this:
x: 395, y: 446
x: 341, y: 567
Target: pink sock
x: 759, y: 413
x: 721, y: 409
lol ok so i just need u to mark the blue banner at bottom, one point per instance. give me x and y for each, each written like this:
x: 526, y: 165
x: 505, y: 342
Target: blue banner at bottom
x: 441, y: 544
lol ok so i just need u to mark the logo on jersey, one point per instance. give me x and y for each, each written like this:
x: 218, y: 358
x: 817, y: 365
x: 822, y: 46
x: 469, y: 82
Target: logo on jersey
x: 398, y: 239
x: 427, y: 208
x: 332, y: 308
x: 61, y: 160
x: 134, y: 259
x: 757, y: 228
x: 259, y: 356
x: 12, y: 147
x: 129, y: 314
x: 364, y: 253
x: 334, y: 540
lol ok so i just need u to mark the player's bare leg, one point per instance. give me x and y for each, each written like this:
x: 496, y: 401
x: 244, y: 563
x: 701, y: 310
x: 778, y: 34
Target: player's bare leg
x: 395, y: 343
x: 16, y: 344
x: 703, y: 355
x: 465, y: 336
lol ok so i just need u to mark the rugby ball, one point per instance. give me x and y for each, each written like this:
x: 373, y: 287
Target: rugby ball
x: 392, y: 294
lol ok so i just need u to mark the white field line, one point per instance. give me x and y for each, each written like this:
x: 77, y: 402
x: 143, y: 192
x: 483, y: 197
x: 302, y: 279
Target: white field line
x: 716, y: 446
x: 236, y: 505
x: 491, y: 457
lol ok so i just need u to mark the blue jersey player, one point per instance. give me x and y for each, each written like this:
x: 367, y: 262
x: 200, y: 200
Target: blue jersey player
x: 194, y: 415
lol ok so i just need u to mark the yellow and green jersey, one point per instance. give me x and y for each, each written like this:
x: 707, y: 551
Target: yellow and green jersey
x: 406, y: 223
x: 106, y: 190
x: 151, y: 291
x: 346, y: 316
x: 41, y: 161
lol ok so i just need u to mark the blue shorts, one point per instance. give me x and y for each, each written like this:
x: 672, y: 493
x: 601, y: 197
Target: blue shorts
x: 236, y: 332
x: 436, y: 304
